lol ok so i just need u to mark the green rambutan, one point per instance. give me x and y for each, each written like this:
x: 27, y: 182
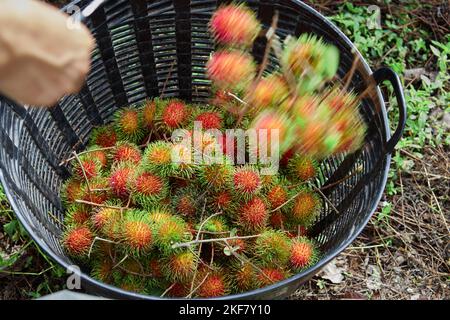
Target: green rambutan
x: 235, y: 25
x: 104, y: 218
x: 302, y: 168
x: 71, y: 190
x: 269, y: 276
x: 303, y: 253
x: 86, y: 167
x: 171, y: 230
x: 253, y: 215
x: 306, y: 207
x: 147, y: 189
x: 186, y: 202
x: 104, y: 137
x: 78, y: 240
x: 77, y: 215
x: 216, y: 176
x: 148, y: 111
x: 215, y: 225
x: 246, y: 181
x: 180, y: 266
x: 126, y: 152
x: 137, y: 232
x: 231, y: 70
x: 128, y: 124
x: 158, y: 158
x: 273, y: 248
x: 159, y: 215
x: 244, y: 276
x: 102, y: 269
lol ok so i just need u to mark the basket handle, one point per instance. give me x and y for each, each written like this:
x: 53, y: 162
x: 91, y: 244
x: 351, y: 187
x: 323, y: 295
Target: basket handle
x: 387, y: 74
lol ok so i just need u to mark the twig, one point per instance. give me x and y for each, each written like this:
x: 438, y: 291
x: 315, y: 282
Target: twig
x: 99, y: 239
x: 99, y: 204
x: 197, y: 287
x: 84, y: 172
x: 188, y: 244
x: 167, y: 290
x: 85, y: 152
x: 436, y: 200
x: 326, y: 199
x: 285, y: 203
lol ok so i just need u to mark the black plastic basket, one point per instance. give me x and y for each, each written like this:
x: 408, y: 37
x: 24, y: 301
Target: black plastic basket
x: 144, y: 46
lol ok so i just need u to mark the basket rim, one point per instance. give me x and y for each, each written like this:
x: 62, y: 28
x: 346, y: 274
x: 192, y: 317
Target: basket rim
x: 299, y: 278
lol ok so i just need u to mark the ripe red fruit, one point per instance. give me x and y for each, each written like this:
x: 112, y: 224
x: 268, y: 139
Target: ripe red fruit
x: 86, y: 168
x: 212, y: 286
x: 246, y: 181
x: 306, y: 207
x: 302, y: 168
x: 253, y: 215
x: 118, y: 181
x: 235, y: 25
x: 270, y: 276
x: 126, y: 152
x: 175, y: 114
x: 104, y: 137
x: 277, y: 196
x: 78, y: 241
x: 137, y: 233
x: 303, y: 253
x: 231, y: 69
x: 210, y: 120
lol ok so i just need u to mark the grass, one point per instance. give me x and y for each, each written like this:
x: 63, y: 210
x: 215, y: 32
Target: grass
x: 419, y: 51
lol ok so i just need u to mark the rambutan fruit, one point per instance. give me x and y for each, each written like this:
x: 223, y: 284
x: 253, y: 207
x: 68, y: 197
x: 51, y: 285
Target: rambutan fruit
x: 253, y: 215
x: 148, y: 111
x: 180, y: 266
x: 172, y: 230
x: 269, y: 91
x: 213, y: 285
x: 154, y: 266
x: 222, y: 200
x: 302, y: 168
x: 98, y: 192
x: 311, y: 60
x: 273, y: 248
x: 103, y: 218
x: 178, y: 290
x: 303, y: 253
x: 237, y: 245
x: 147, y: 189
x: 95, y: 152
x: 278, y: 220
x: 102, y: 269
x: 128, y: 124
x: 126, y: 152
x: 185, y: 202
x: 86, y: 167
x: 277, y: 196
x: 209, y: 119
x: 71, y: 190
x: 215, y: 225
x: 244, y: 276
x: 103, y: 136
x: 231, y: 70
x: 132, y: 283
x: 137, y: 232
x: 271, y: 275
x: 217, y: 175
x: 306, y: 207
x: 235, y: 25
x: 119, y: 179
x: 158, y: 158
x: 174, y: 114
x: 78, y: 240
x: 246, y: 181
x: 77, y: 215
x: 159, y: 215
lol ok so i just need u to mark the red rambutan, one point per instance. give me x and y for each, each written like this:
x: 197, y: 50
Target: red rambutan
x: 158, y: 158
x: 78, y: 240
x: 277, y: 196
x: 210, y: 120
x: 217, y: 175
x: 244, y: 276
x: 303, y: 253
x: 71, y: 190
x: 147, y: 189
x: 269, y: 276
x: 126, y: 152
x: 278, y: 220
x: 186, y: 202
x: 235, y: 25
x: 270, y: 91
x: 95, y: 152
x: 86, y: 167
x: 178, y: 290
x: 231, y: 69
x: 246, y: 181
x: 99, y: 190
x: 175, y: 114
x: 213, y: 285
x: 253, y: 215
x: 77, y: 215
x: 119, y: 179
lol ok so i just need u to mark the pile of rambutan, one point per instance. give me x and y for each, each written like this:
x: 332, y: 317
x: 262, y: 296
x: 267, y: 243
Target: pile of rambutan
x: 144, y: 221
